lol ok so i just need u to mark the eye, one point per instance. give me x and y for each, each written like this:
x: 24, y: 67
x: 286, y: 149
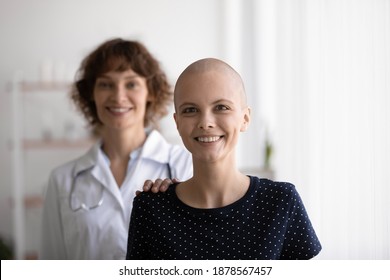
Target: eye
x: 131, y: 85
x: 221, y: 107
x: 101, y: 84
x: 189, y: 110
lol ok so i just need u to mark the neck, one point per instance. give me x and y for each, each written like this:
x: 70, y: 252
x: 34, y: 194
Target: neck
x: 213, y: 185
x: 118, y: 144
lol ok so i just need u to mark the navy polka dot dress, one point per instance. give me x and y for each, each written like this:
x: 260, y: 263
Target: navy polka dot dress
x: 268, y: 222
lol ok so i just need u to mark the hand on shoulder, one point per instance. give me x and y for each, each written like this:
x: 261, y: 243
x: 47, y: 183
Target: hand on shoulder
x: 159, y: 185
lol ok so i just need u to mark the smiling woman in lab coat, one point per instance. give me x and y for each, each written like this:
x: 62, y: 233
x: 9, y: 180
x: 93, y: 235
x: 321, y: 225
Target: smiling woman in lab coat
x: 122, y: 92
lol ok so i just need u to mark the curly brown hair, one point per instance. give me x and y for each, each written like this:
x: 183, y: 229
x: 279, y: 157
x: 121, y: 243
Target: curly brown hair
x: 121, y: 55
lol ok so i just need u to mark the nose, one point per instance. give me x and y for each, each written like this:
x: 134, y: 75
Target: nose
x: 206, y: 120
x: 119, y: 92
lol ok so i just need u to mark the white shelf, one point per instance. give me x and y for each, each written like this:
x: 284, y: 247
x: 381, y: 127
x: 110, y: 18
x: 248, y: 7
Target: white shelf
x: 30, y: 144
x: 28, y: 93
x: 31, y: 87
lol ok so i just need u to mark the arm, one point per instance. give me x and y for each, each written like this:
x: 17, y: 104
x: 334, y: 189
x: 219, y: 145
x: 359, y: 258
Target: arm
x: 301, y: 241
x: 52, y: 240
x: 137, y: 247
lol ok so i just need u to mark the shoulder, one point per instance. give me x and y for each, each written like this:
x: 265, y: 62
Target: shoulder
x: 180, y: 163
x: 279, y: 193
x: 67, y: 169
x: 157, y: 139
x: 150, y: 198
x: 149, y: 204
x: 179, y: 153
x: 64, y: 170
x: 158, y: 148
x: 267, y: 185
x: 177, y: 156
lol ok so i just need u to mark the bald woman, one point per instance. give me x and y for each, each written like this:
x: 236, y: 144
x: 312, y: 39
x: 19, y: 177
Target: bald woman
x: 219, y: 213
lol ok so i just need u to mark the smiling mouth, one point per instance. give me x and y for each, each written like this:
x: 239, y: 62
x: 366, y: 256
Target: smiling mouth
x: 208, y: 139
x: 118, y: 110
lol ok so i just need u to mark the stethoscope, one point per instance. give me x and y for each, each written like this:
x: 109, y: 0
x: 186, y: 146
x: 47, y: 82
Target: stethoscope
x: 83, y: 205
x: 86, y: 207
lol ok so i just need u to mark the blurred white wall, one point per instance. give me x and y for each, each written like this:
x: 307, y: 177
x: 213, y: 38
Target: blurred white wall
x: 327, y: 75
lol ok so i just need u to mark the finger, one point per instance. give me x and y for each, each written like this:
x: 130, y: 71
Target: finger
x: 175, y: 180
x: 165, y: 184
x: 156, y: 186
x: 147, y: 185
x: 137, y: 193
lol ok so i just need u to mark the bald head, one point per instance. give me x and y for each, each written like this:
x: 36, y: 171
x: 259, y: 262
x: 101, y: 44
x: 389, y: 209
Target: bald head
x: 211, y: 67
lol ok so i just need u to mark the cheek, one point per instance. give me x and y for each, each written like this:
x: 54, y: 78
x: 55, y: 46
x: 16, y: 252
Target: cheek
x: 99, y: 98
x: 180, y: 128
x: 98, y: 103
x: 184, y: 128
x: 141, y: 99
x: 235, y: 126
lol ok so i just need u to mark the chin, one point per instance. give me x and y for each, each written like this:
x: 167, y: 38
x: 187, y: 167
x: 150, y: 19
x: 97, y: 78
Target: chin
x: 208, y: 158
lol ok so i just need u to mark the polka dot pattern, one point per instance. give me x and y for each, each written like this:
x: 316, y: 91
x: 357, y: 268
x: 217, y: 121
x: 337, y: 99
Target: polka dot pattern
x: 268, y: 222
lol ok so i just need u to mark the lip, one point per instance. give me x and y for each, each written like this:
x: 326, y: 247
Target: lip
x: 119, y: 110
x: 208, y: 138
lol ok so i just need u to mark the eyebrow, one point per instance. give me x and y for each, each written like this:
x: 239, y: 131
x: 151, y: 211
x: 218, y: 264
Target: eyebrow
x: 126, y: 77
x: 186, y: 104
x: 222, y: 100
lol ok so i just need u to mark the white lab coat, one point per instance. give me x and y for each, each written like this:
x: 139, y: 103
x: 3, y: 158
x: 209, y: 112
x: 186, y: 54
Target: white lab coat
x: 102, y: 233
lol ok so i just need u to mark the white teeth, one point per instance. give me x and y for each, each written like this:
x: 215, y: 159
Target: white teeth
x: 119, y: 110
x: 208, y: 139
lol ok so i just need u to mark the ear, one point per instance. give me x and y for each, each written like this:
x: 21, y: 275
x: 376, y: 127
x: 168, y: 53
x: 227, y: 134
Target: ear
x: 175, y: 118
x: 246, y: 119
x: 177, y: 123
x: 149, y: 98
x: 92, y: 96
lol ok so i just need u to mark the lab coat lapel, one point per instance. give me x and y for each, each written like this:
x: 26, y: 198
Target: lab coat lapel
x: 102, y: 173
x: 156, y: 148
x: 100, y: 170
